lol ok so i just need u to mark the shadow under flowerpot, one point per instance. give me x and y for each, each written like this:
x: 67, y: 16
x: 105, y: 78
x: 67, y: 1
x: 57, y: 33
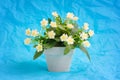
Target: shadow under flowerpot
x: 26, y: 68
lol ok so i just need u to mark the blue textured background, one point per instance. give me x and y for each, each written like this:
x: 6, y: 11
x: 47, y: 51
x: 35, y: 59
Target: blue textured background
x: 16, y: 59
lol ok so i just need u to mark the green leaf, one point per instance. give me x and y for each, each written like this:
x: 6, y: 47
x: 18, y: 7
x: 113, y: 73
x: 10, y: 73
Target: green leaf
x: 58, y: 20
x: 74, y: 30
x: 35, y: 45
x: 59, y: 44
x: 67, y: 49
x: 71, y: 21
x: 49, y: 44
x: 49, y: 20
x: 61, y: 28
x: 85, y: 51
x: 37, y: 54
x: 57, y: 39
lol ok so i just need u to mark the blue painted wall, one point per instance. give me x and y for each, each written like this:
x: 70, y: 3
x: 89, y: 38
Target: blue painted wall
x: 16, y: 59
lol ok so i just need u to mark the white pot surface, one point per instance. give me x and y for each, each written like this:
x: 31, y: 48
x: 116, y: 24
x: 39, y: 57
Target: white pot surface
x: 57, y: 61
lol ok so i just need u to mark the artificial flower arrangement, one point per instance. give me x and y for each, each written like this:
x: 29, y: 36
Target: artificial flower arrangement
x: 60, y: 32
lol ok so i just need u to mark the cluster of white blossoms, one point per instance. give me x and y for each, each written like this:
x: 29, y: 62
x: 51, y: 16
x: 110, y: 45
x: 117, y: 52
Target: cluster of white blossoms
x: 84, y: 35
x: 44, y: 22
x: 86, y: 27
x: 32, y: 33
x: 64, y: 37
x: 71, y: 16
x: 71, y: 35
x: 69, y: 39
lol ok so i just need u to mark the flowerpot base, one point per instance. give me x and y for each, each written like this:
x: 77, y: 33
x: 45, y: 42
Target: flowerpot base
x: 58, y: 64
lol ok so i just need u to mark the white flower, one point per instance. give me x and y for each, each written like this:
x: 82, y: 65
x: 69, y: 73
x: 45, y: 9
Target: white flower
x: 53, y: 24
x: 34, y: 33
x: 27, y: 32
x: 85, y: 27
x: 91, y: 33
x: 55, y: 14
x: 27, y: 41
x: 70, y: 26
x: 39, y: 47
x: 44, y: 22
x: 51, y: 34
x: 75, y: 18
x: 64, y: 37
x: 86, y: 43
x: 70, y: 40
x: 84, y: 36
x: 70, y: 15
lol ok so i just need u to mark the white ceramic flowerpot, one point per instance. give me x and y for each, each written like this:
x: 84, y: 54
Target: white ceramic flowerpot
x: 57, y: 61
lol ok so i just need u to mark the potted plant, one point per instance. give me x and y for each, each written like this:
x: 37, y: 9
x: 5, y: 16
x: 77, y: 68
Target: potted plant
x: 57, y: 40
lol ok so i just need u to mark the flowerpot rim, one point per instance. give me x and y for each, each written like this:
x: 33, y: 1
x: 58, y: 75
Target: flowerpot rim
x: 54, y: 47
x: 57, y: 51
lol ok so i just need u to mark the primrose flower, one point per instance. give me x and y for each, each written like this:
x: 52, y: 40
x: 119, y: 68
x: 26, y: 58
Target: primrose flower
x: 27, y: 41
x: 64, y: 37
x: 51, y: 34
x: 39, y: 47
x: 53, y: 24
x: 70, y: 40
x: 44, y: 22
x: 85, y: 27
x: 75, y: 18
x: 86, y: 44
x: 84, y: 35
x: 70, y: 26
x: 27, y: 32
x: 55, y: 14
x: 34, y: 33
x: 91, y: 33
x: 70, y: 15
